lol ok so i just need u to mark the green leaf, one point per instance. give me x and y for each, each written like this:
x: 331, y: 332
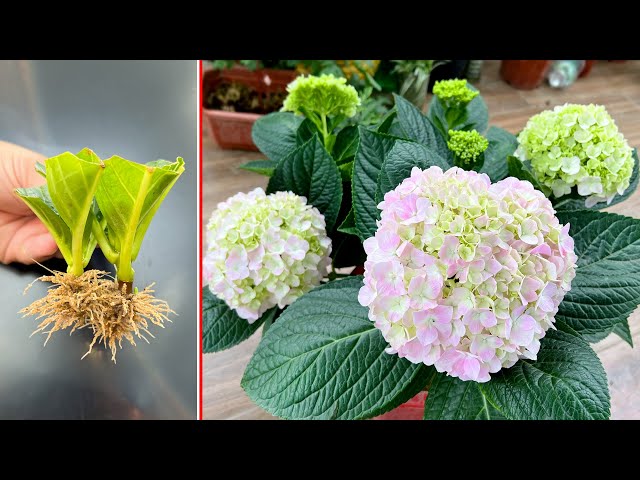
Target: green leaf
x: 72, y: 181
x: 450, y: 398
x: 606, y: 288
x: 372, y: 150
x: 346, y: 144
x: 39, y: 201
x: 477, y: 114
x: 305, y: 132
x: 400, y: 161
x: 419, y: 128
x: 522, y: 171
x: 263, y: 167
x: 349, y: 224
x: 386, y: 121
x: 129, y: 194
x: 310, y: 171
x: 574, y: 201
x: 324, y: 359
x: 222, y: 328
x: 41, y: 169
x: 502, y: 144
x: 622, y: 330
x: 566, y: 382
x: 275, y: 134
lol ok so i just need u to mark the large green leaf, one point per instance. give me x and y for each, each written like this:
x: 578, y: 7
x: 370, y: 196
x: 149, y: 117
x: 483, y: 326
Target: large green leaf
x: 324, y: 359
x: 566, y: 382
x: 502, y: 144
x: 129, y: 195
x: 450, y: 398
x: 275, y: 134
x: 372, y: 150
x: 420, y: 129
x: 477, y: 114
x: 222, y: 328
x: 606, y: 288
x: 574, y: 201
x: 346, y: 144
x: 311, y: 172
x: 399, y: 162
x: 263, y: 167
x: 38, y: 200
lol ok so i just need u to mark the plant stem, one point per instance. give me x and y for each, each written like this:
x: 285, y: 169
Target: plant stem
x: 325, y: 133
x: 105, y: 246
x: 124, y: 271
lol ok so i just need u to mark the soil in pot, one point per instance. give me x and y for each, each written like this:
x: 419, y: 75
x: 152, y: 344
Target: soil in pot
x: 232, y: 96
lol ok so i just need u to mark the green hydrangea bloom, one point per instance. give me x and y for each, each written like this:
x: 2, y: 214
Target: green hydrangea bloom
x: 454, y: 92
x: 577, y: 145
x: 467, y: 146
x: 325, y: 95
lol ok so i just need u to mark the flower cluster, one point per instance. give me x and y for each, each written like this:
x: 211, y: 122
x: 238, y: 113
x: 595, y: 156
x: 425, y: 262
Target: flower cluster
x: 325, y: 95
x: 265, y: 250
x: 577, y: 145
x: 453, y: 92
x: 467, y: 146
x: 464, y: 274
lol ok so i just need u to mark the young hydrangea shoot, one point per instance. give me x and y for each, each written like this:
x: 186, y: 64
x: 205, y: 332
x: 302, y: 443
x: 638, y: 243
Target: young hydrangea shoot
x: 321, y: 99
x: 265, y: 250
x: 464, y: 274
x: 127, y: 195
x: 577, y: 145
x: 468, y: 148
x: 65, y: 204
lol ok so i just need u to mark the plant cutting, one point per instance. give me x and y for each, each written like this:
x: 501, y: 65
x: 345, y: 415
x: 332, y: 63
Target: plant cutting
x: 474, y: 287
x: 88, y: 202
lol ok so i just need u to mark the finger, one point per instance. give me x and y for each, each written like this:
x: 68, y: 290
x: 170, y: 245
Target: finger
x: 17, y: 170
x: 29, y: 243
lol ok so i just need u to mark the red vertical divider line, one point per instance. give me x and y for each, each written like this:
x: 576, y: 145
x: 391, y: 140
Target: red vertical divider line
x: 200, y: 249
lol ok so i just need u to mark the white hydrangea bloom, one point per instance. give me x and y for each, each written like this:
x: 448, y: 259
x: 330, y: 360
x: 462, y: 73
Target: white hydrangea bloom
x: 265, y: 250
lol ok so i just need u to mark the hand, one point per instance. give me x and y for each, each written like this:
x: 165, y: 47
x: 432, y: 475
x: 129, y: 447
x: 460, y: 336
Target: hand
x: 23, y: 237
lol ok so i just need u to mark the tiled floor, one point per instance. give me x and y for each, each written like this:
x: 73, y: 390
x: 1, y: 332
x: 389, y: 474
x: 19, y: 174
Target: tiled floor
x: 617, y: 86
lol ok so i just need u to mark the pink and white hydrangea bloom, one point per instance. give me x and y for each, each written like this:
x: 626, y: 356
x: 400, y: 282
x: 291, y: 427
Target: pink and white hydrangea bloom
x: 464, y: 274
x: 265, y: 250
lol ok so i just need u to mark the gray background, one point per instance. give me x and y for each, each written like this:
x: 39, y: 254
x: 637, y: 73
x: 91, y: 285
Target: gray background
x: 143, y: 111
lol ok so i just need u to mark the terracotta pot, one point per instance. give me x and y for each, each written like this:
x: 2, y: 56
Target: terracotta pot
x: 524, y: 74
x: 411, y: 410
x: 232, y: 130
x: 588, y: 65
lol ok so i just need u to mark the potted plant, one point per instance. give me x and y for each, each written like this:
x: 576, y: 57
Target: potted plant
x: 479, y: 265
x: 235, y: 95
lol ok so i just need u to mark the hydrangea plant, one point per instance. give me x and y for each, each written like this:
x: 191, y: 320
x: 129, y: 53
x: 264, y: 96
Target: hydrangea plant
x: 475, y: 287
x: 577, y: 146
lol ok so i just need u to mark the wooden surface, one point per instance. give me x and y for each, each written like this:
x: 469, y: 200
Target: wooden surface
x: 617, y: 86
